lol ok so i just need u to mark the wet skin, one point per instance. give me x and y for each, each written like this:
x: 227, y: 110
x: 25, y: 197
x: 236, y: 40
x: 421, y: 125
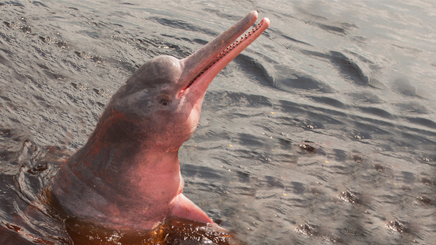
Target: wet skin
x: 128, y: 173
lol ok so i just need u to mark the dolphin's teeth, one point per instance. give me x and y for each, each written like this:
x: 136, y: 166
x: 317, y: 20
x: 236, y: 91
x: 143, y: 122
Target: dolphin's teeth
x: 231, y: 47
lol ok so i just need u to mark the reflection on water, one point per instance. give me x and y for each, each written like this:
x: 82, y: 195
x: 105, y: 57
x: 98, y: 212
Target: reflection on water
x: 322, y: 131
x: 171, y: 231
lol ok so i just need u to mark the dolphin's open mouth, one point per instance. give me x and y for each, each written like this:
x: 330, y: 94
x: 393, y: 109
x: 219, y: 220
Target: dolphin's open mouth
x: 202, y: 66
x: 227, y: 50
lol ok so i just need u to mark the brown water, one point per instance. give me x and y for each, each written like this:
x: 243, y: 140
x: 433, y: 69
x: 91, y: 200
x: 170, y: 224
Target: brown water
x: 322, y: 132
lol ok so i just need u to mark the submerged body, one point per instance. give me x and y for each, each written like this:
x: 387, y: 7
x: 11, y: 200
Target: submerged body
x: 128, y: 173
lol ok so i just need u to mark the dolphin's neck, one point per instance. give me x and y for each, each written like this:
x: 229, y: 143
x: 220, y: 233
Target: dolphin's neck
x: 119, y: 184
x: 127, y: 169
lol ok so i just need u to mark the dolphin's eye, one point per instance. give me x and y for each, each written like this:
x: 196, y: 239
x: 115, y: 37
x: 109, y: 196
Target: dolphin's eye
x: 164, y: 99
x: 164, y: 102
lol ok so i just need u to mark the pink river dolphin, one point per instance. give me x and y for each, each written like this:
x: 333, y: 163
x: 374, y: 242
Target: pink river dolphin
x: 128, y: 173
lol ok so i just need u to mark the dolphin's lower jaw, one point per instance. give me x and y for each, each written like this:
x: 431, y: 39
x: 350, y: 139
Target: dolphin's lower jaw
x: 128, y: 173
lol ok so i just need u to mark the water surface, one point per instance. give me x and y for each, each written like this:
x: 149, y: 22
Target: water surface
x: 321, y: 132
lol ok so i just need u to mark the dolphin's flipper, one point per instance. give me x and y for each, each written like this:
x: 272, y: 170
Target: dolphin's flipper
x: 185, y: 208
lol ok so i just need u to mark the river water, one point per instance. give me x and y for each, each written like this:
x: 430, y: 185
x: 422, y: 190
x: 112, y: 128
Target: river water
x: 321, y: 132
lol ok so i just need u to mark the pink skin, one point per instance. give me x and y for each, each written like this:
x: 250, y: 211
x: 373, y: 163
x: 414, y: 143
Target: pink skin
x: 128, y: 173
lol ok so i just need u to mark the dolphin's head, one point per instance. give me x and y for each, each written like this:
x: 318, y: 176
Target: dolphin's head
x: 151, y: 99
x: 160, y: 103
